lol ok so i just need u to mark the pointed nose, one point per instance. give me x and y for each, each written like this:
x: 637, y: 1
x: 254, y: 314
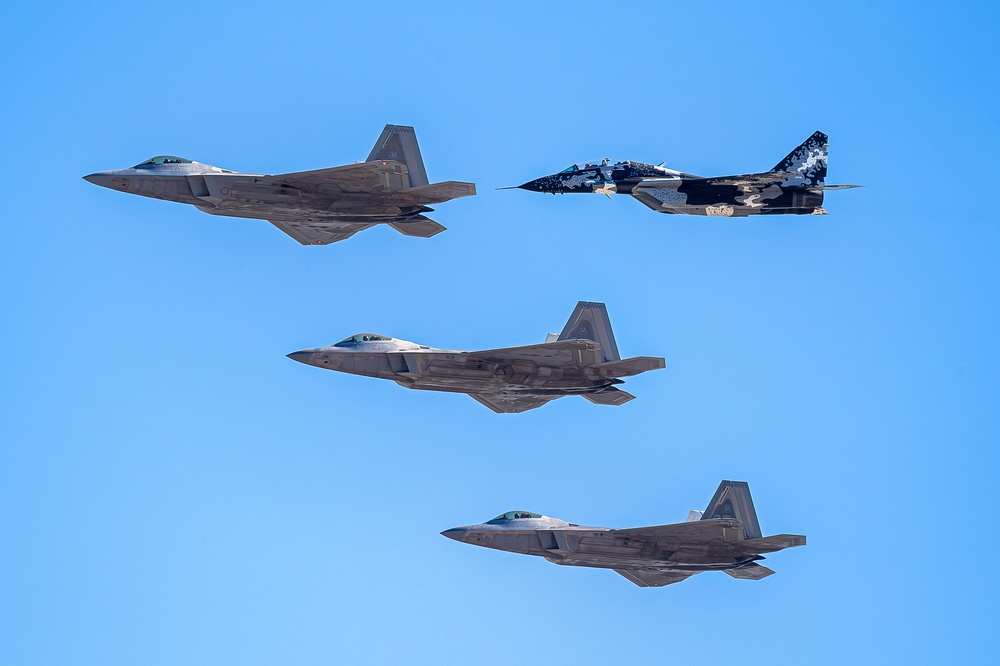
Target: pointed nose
x: 102, y: 178
x: 456, y: 533
x: 303, y: 356
x: 531, y: 186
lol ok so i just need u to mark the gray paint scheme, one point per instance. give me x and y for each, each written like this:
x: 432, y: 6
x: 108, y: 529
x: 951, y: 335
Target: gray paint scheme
x: 313, y: 207
x: 725, y: 537
x: 583, y: 360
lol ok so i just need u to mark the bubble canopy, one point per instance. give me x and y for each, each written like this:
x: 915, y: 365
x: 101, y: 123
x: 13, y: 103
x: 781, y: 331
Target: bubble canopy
x: 162, y: 159
x: 362, y: 337
x: 515, y: 515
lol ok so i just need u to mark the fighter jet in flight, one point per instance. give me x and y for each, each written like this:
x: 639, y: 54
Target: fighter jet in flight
x: 582, y: 360
x: 313, y: 207
x: 725, y: 537
x: 794, y: 186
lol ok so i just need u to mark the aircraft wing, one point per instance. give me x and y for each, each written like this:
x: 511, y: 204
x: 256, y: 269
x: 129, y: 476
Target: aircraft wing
x: 694, y: 532
x: 364, y: 177
x: 551, y: 353
x: 320, y: 233
x: 747, y: 180
x: 772, y: 543
x: 438, y: 192
x: 653, y: 578
x: 503, y: 404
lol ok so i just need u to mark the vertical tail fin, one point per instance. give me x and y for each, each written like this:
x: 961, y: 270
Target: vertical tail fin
x: 399, y: 144
x: 589, y: 321
x: 732, y: 500
x: 807, y: 161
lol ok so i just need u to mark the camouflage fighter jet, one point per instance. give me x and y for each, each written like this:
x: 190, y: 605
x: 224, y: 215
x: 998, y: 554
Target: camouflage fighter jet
x: 725, y: 537
x: 582, y: 360
x: 313, y: 207
x: 794, y: 186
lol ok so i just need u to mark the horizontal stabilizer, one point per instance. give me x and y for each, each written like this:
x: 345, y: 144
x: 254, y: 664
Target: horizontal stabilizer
x: 420, y: 226
x: 772, y: 543
x: 630, y: 366
x: 609, y: 396
x: 652, y: 578
x: 439, y: 192
x: 750, y: 572
x: 833, y: 187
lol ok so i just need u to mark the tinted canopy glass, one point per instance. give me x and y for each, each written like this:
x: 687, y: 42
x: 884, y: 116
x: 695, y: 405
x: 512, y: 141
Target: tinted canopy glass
x: 162, y: 159
x: 514, y: 515
x: 362, y: 337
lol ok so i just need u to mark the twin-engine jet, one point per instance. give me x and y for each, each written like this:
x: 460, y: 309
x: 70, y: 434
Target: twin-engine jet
x: 794, y: 186
x: 725, y: 537
x: 313, y: 207
x: 582, y: 360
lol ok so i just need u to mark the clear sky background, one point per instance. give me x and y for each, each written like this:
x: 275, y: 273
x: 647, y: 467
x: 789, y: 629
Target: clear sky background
x: 173, y: 490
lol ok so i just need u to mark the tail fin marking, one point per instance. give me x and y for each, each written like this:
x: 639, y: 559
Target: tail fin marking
x: 590, y: 321
x: 399, y: 144
x: 807, y: 163
x: 732, y: 500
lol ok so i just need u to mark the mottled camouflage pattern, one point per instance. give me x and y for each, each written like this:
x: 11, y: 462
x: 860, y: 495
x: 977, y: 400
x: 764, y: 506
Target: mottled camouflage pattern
x: 795, y: 186
x: 725, y: 537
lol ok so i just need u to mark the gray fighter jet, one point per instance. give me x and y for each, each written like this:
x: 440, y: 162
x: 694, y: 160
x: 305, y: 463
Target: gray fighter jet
x: 313, y: 207
x: 726, y: 537
x: 582, y: 360
x: 794, y: 186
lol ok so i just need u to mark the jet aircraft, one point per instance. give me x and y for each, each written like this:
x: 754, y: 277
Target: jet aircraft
x: 582, y: 360
x: 725, y: 537
x: 794, y: 186
x: 313, y: 207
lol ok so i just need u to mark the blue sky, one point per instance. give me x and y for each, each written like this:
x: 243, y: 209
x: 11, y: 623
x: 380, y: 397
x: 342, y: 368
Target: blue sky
x: 174, y: 490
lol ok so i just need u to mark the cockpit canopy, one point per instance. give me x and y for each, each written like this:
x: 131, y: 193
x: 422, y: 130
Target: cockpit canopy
x: 583, y: 166
x: 514, y: 515
x: 162, y: 159
x: 362, y: 337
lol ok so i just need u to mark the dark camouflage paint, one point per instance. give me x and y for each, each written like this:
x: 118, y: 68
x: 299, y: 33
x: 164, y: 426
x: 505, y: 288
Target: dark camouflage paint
x: 793, y: 187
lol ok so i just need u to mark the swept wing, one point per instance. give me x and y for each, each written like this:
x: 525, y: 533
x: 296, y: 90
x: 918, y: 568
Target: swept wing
x: 561, y: 352
x: 509, y: 404
x: 652, y: 577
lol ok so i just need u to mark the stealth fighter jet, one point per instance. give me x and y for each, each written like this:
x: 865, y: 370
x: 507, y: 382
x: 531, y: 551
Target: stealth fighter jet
x: 794, y: 186
x: 313, y: 207
x: 582, y: 360
x: 725, y: 537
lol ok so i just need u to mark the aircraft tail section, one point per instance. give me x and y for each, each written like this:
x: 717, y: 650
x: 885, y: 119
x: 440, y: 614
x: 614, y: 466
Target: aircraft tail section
x: 419, y: 226
x: 732, y: 500
x: 750, y: 571
x: 806, y: 165
x: 590, y: 321
x: 399, y: 144
x: 609, y: 396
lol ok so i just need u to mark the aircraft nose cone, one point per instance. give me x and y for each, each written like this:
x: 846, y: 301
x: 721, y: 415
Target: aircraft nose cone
x: 301, y: 356
x: 456, y: 533
x: 531, y: 186
x: 102, y: 178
